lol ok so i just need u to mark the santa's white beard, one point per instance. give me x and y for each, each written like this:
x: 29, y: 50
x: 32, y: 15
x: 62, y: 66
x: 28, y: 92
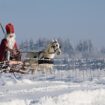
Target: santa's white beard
x: 11, y: 41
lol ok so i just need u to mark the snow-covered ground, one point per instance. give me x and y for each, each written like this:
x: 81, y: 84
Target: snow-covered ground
x: 72, y: 87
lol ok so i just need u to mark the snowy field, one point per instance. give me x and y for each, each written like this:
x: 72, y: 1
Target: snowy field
x: 72, y: 87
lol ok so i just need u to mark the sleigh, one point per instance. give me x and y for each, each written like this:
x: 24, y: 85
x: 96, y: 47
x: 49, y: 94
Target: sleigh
x: 11, y: 67
x: 33, y: 61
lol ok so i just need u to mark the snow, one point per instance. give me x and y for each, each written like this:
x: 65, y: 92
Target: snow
x: 62, y: 87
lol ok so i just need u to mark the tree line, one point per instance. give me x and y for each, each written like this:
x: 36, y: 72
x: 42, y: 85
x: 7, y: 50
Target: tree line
x: 83, y: 49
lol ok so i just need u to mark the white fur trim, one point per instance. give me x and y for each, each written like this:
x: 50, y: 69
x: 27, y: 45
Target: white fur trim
x: 11, y: 41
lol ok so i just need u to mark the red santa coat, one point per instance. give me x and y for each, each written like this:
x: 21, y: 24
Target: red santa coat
x: 3, y: 49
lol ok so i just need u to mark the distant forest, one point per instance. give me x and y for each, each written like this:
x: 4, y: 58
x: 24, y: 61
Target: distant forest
x: 83, y: 49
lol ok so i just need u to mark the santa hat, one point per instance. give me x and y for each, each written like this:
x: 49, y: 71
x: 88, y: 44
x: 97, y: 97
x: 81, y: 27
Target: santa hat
x: 9, y: 28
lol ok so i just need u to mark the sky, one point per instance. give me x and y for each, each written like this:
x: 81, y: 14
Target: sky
x: 67, y: 19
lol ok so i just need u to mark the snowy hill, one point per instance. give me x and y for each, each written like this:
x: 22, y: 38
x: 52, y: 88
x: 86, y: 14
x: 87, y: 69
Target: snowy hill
x: 60, y: 88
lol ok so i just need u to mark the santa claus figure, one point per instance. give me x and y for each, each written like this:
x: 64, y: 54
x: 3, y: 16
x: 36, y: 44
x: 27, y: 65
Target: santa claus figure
x: 8, y: 45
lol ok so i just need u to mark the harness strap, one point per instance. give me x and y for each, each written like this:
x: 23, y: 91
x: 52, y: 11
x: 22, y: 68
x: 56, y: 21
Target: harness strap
x: 45, y: 61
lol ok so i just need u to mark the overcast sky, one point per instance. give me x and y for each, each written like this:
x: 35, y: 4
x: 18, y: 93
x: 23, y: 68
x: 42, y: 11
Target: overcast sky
x: 73, y: 19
